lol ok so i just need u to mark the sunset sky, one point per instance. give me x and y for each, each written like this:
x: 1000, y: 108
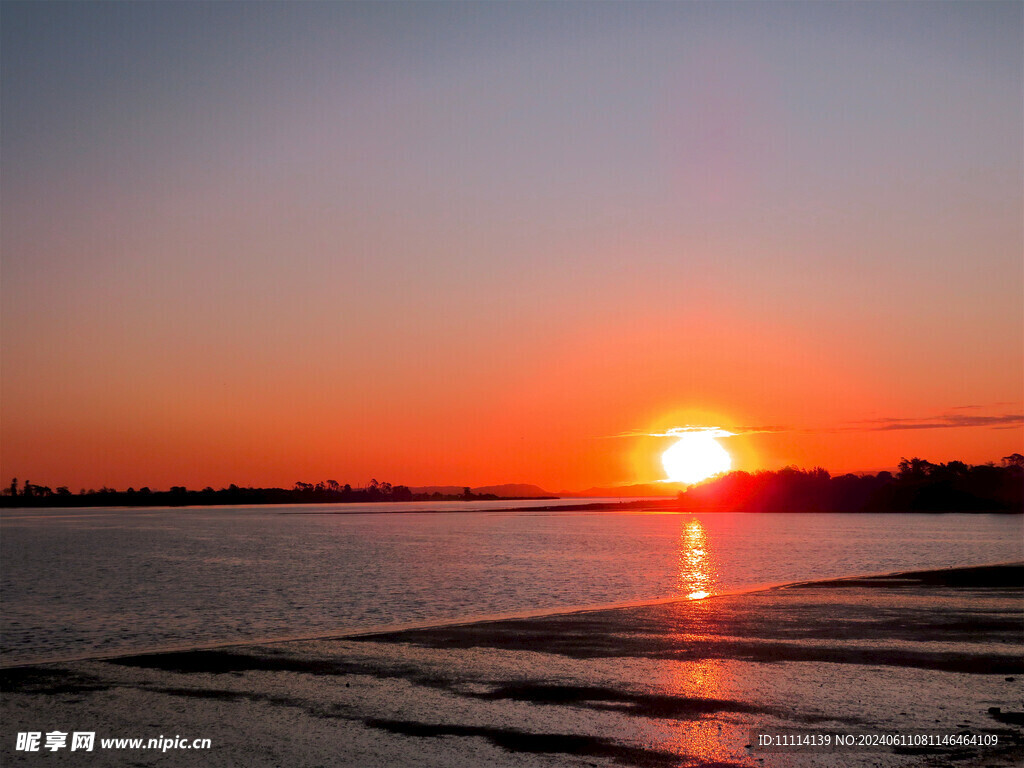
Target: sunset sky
x: 465, y: 243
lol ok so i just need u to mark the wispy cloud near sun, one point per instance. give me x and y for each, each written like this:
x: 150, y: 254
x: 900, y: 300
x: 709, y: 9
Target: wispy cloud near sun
x: 944, y: 421
x: 704, y: 429
x: 948, y: 420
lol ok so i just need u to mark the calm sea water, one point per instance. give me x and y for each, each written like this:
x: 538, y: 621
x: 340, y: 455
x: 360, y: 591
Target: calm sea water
x: 80, y: 582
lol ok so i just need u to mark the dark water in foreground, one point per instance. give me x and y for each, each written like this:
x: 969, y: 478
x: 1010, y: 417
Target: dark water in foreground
x: 97, y: 581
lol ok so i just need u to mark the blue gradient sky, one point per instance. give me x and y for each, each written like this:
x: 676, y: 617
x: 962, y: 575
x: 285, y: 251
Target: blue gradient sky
x: 459, y: 242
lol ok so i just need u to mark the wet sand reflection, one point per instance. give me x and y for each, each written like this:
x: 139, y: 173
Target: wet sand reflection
x: 705, y: 737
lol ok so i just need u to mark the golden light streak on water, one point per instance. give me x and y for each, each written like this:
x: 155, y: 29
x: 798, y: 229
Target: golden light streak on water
x: 697, y: 571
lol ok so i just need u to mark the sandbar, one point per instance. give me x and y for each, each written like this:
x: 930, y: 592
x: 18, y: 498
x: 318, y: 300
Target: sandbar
x: 684, y: 684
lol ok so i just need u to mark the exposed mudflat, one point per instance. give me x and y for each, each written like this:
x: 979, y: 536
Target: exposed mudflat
x: 670, y: 684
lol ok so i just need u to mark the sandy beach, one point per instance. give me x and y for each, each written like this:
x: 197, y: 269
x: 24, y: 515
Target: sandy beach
x: 689, y: 683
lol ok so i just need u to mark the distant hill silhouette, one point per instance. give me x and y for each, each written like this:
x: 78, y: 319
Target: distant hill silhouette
x: 624, y: 491
x: 506, y: 490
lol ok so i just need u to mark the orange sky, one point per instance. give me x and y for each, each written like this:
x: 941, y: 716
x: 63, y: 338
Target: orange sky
x: 472, y: 244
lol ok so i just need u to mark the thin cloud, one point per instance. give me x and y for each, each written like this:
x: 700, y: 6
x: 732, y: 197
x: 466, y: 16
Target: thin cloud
x: 755, y: 430
x: 1002, y: 404
x: 945, y: 421
x: 691, y: 429
x: 949, y: 420
x: 704, y: 428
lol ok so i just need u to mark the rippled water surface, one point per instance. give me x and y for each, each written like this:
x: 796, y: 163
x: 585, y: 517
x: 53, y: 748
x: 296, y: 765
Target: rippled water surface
x: 77, y: 582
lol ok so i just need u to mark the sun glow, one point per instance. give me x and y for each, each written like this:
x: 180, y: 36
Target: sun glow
x: 694, y: 457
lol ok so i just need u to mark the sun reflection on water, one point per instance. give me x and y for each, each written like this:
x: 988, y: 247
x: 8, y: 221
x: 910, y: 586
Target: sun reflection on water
x: 697, y: 572
x: 708, y: 735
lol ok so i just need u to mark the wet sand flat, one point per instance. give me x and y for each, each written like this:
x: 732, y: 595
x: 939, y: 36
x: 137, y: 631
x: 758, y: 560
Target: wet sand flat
x: 689, y: 683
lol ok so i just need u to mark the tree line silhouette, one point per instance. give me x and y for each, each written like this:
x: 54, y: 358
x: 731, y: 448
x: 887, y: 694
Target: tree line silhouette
x: 917, y: 486
x: 325, y: 492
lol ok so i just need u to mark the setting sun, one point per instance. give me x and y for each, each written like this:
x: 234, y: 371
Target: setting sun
x: 694, y: 457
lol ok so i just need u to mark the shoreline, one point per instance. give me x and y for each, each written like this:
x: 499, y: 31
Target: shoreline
x: 675, y: 683
x: 384, y: 629
x: 663, y: 505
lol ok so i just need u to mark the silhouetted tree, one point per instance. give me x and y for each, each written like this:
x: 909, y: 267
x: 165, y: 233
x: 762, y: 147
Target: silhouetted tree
x: 1014, y: 460
x: 914, y: 469
x: 920, y: 486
